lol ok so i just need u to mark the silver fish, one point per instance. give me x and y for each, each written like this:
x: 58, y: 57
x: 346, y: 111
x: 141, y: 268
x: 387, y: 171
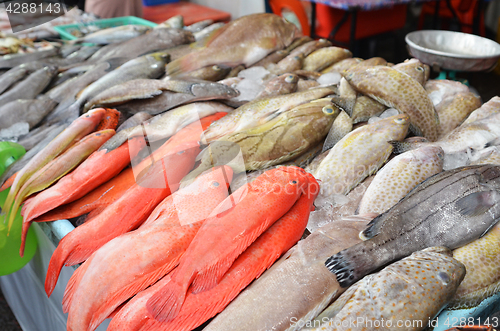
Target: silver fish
x: 450, y: 209
x: 198, y: 26
x: 206, y: 32
x: 10, y: 61
x: 30, y: 87
x: 30, y: 111
x: 12, y: 76
x: 114, y: 34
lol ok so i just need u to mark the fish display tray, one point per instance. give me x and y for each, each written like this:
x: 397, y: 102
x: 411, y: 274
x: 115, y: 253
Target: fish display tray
x: 65, y: 30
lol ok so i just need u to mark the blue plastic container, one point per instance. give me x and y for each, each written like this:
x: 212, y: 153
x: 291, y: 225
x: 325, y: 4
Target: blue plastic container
x: 157, y: 2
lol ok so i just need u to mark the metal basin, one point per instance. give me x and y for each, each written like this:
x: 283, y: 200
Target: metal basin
x: 453, y: 50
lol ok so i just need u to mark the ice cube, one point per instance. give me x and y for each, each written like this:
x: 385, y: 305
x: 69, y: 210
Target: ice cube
x: 254, y: 73
x: 455, y: 160
x: 388, y: 113
x: 330, y: 78
x: 319, y: 218
x: 13, y: 132
x: 248, y: 89
x: 373, y: 119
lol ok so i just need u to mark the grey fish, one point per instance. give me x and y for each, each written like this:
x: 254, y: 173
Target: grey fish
x: 66, y: 50
x: 36, y: 135
x: 115, y: 34
x: 134, y: 121
x: 412, y: 291
x: 148, y: 66
x: 19, y: 164
x: 269, y: 304
x: 211, y: 73
x: 30, y: 87
x: 450, y: 209
x: 198, y: 26
x: 147, y: 88
x: 10, y: 61
x: 174, y: 22
x: 156, y: 40
x: 79, y: 56
x: 66, y: 93
x: 12, y: 76
x: 30, y: 111
x: 197, y: 91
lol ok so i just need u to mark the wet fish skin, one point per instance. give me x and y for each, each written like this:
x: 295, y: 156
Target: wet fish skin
x: 421, y: 285
x: 324, y: 57
x: 415, y: 69
x: 304, y: 85
x: 260, y: 111
x: 481, y: 259
x: 272, y: 58
x: 399, y: 176
x: 395, y: 89
x: 288, y: 64
x: 284, y: 84
x: 165, y: 125
x: 307, y: 48
x: 455, y: 207
x: 199, y: 36
x: 30, y: 87
x: 79, y: 56
x: 12, y: 76
x: 348, y: 162
x: 342, y: 65
x: 148, y: 66
x: 174, y: 22
x: 134, y: 121
x: 30, y: 111
x: 114, y: 34
x: 198, y: 26
x: 252, y: 47
x: 268, y: 304
x: 211, y: 73
x: 10, y: 61
x: 491, y: 107
x: 440, y: 90
x: 454, y: 112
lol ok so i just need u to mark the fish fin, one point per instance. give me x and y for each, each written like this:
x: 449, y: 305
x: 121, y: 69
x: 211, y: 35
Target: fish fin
x: 8, y: 182
x: 115, y: 63
x: 167, y: 302
x: 271, y: 116
x: 415, y: 129
x: 341, y: 126
x: 24, y: 233
x: 79, y: 255
x: 56, y: 263
x: 100, y: 314
x: 345, y: 104
x: 362, y: 217
x: 372, y: 229
x: 399, y: 147
x: 477, y: 203
x: 72, y: 285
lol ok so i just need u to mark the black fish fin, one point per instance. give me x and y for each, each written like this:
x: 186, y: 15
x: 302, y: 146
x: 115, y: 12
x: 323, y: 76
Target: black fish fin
x: 372, y: 228
x: 488, y: 229
x: 345, y: 104
x: 400, y: 147
x: 415, y: 129
x: 477, y: 203
x: 115, y: 63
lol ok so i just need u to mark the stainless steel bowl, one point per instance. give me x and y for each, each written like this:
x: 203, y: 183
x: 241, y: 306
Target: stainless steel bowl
x: 451, y: 50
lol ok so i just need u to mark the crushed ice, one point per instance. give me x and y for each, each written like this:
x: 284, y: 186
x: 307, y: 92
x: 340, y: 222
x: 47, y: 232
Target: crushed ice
x: 330, y: 78
x: 251, y: 84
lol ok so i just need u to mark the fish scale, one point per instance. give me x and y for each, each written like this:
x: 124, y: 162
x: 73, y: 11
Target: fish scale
x: 398, y: 90
x: 420, y: 286
x: 359, y: 154
x: 399, y: 176
x: 482, y: 261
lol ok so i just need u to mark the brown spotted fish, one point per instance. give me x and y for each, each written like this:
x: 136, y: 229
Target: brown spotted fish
x: 482, y: 261
x: 455, y: 110
x: 343, y: 65
x: 280, y: 85
x: 451, y: 209
x: 403, y: 296
x: 324, y: 57
x: 359, y: 154
x: 398, y: 90
x: 399, y: 176
x: 415, y: 69
x: 440, y: 90
x: 339, y: 129
x: 489, y: 108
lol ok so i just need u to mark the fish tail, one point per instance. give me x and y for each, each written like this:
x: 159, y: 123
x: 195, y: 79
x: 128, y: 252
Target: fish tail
x: 56, y: 263
x: 350, y: 265
x: 174, y: 67
x: 72, y: 286
x: 24, y: 233
x: 210, y: 277
x: 8, y: 182
x: 166, y: 304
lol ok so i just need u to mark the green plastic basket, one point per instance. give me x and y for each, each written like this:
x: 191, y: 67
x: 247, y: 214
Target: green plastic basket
x: 65, y: 30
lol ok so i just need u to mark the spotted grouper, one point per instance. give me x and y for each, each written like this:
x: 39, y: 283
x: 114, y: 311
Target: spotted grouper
x: 451, y: 209
x: 403, y: 296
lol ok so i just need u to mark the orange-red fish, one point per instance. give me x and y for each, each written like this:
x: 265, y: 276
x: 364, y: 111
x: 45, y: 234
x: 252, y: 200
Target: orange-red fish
x: 78, y: 129
x: 222, y: 238
x: 8, y: 182
x: 95, y: 201
x: 125, y: 214
x: 133, y: 261
x: 110, y: 119
x: 259, y: 256
x: 57, y: 168
x: 97, y: 169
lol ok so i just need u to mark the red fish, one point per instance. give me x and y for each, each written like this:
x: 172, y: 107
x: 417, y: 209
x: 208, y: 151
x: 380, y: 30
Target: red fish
x: 258, y: 257
x: 133, y: 261
x: 8, y: 182
x: 97, y: 169
x: 222, y: 238
x: 110, y: 119
x: 125, y: 214
x: 57, y: 168
x: 78, y: 129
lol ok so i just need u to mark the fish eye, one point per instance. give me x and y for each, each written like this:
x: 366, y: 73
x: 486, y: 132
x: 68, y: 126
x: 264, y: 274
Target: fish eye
x: 327, y: 110
x: 419, y: 69
x: 322, y: 40
x: 296, y: 57
x: 400, y: 120
x: 180, y: 152
x: 293, y: 182
x: 216, y: 68
x: 290, y: 79
x: 215, y: 184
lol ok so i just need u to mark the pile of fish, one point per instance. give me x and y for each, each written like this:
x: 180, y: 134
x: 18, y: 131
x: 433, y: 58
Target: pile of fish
x: 190, y: 159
